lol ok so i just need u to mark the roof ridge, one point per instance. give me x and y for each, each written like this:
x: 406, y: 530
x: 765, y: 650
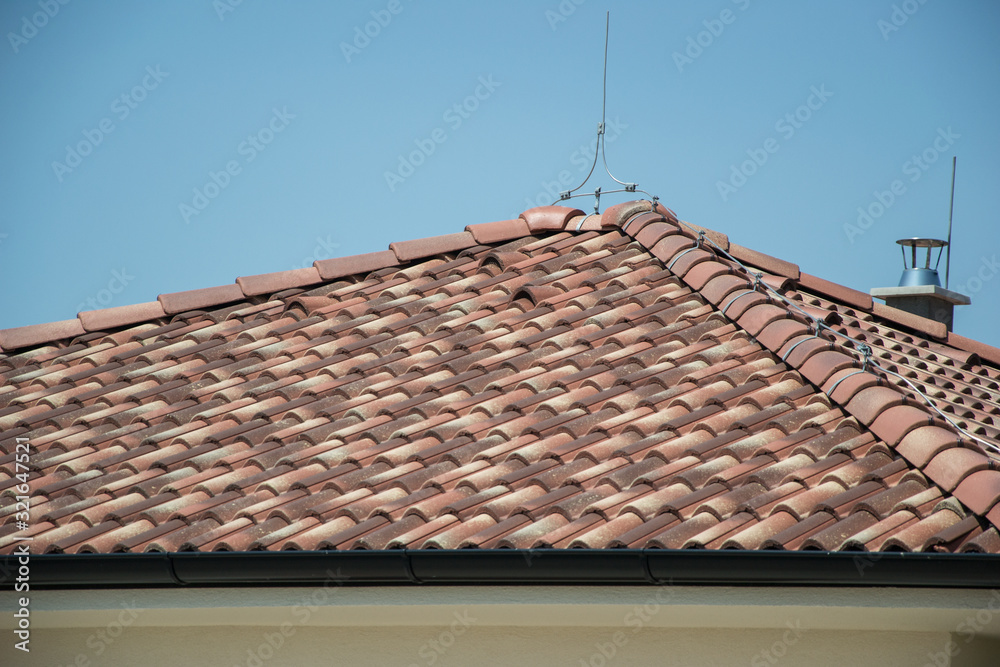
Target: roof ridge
x: 320, y: 272
x: 632, y: 217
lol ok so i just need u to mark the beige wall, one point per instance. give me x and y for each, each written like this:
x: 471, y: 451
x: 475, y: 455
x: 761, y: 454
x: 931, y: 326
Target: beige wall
x: 508, y: 625
x: 495, y: 645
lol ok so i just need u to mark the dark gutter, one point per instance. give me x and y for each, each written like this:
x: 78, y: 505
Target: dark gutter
x: 506, y: 567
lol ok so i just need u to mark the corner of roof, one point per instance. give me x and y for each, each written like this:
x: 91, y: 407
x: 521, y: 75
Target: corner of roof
x: 891, y: 415
x: 176, y: 303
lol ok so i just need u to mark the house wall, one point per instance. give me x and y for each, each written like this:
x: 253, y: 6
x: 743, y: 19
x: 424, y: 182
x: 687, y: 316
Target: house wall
x: 495, y: 645
x: 576, y: 626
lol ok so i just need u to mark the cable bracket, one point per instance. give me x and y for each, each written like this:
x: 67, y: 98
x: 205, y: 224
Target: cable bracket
x: 866, y: 353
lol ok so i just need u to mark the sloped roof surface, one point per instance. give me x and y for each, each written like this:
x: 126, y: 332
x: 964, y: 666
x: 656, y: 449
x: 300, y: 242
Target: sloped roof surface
x: 555, y: 381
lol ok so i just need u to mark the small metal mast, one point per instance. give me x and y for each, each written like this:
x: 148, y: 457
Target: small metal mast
x: 951, y: 211
x: 626, y: 187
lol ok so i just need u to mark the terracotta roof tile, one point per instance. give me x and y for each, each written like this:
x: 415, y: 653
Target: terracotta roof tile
x: 179, y: 302
x: 915, y: 322
x: 984, y: 352
x: 896, y: 422
x: 920, y: 535
x: 39, y: 333
x: 494, y: 232
x: 546, y: 218
x: 267, y: 283
x: 340, y: 267
x: 765, y: 262
x: 406, y: 251
x: 839, y: 293
x: 951, y: 466
x: 119, y: 316
x: 979, y: 491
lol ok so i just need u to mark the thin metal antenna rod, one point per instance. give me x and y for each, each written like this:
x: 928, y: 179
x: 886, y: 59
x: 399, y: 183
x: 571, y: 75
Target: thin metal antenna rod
x: 604, y: 99
x: 599, y: 146
x: 951, y: 211
x: 600, y: 127
x: 629, y: 187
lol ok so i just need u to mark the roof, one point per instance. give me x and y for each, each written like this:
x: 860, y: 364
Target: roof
x: 560, y: 380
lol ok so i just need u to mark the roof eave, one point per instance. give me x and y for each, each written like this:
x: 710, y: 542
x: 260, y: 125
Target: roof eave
x: 508, y: 567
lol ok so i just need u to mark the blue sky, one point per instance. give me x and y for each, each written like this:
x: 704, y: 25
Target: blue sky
x: 157, y: 147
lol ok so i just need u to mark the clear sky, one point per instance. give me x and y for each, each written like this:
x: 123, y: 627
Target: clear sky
x: 153, y: 147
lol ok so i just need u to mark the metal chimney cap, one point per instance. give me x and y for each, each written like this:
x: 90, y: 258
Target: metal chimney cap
x: 914, y: 275
x: 917, y: 242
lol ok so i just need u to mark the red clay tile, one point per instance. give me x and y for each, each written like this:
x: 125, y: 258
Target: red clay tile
x: 491, y: 533
x: 922, y: 444
x: 198, y: 299
x: 921, y: 324
x: 757, y: 318
x: 993, y: 516
x: 819, y: 367
x: 12, y: 339
x: 884, y: 503
x: 751, y: 535
x: 670, y: 247
x: 985, y: 542
x: 741, y: 302
x: 718, y: 238
x: 267, y: 283
x: 876, y: 536
x: 677, y: 534
x: 494, y: 232
x: 983, y: 350
x: 665, y: 212
x: 545, y: 218
x: 324, y: 535
x: 869, y: 404
x: 979, y: 491
x: 457, y: 534
x: 839, y: 293
x: 619, y: 214
x: 919, y: 535
x: 766, y: 262
x: 602, y: 534
x: 835, y: 536
x: 948, y: 468
x: 585, y: 223
x: 845, y: 384
x: 774, y: 335
x: 722, y: 288
x: 634, y: 223
x: 797, y: 351
x: 895, y: 422
x: 685, y: 260
x: 119, y: 316
x: 340, y: 267
x: 651, y: 233
x: 406, y: 251
x: 702, y: 273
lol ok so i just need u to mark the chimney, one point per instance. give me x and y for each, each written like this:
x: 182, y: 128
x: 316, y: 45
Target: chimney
x: 919, y: 291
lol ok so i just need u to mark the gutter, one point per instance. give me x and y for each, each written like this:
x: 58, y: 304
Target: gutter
x: 536, y: 567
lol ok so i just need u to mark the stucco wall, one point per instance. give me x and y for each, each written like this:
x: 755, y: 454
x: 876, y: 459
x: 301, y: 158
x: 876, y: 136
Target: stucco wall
x: 578, y: 626
x: 495, y: 645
